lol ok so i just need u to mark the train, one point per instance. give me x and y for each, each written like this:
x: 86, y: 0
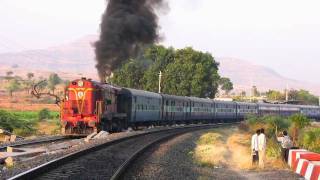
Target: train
x: 90, y: 106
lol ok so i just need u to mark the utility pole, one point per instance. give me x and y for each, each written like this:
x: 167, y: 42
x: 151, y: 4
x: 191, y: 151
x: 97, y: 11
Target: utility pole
x: 160, y: 77
x: 287, y: 95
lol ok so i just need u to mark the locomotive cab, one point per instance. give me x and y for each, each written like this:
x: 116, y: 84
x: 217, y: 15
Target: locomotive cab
x: 78, y: 111
x: 89, y: 107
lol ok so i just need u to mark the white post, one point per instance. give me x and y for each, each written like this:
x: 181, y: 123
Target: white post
x: 287, y: 95
x: 160, y: 76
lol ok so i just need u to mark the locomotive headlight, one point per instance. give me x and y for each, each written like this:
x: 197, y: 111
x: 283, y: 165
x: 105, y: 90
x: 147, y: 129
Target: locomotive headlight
x: 80, y: 94
x: 80, y: 83
x: 92, y: 123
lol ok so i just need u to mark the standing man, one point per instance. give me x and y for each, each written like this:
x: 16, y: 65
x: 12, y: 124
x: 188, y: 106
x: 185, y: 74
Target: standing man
x: 255, y: 148
x: 286, y: 144
x: 262, y: 144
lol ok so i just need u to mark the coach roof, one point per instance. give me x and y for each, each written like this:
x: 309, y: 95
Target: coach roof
x: 135, y: 92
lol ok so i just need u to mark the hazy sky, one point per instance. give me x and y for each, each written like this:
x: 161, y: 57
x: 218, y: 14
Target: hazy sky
x: 281, y: 34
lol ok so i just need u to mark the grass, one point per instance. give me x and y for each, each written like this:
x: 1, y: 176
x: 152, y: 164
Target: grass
x: 33, y: 115
x: 230, y: 148
x: 305, y: 134
x: 223, y: 147
x: 28, y: 123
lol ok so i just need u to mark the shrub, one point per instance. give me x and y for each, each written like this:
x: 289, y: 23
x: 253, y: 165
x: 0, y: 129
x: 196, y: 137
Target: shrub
x: 8, y: 121
x: 298, y: 122
x: 311, y: 140
x: 44, y: 114
x: 11, y: 122
x: 26, y: 131
x: 275, y: 124
x: 273, y: 148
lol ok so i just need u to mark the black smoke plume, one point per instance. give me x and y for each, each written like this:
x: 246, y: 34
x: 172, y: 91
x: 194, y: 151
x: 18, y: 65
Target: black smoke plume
x: 127, y: 26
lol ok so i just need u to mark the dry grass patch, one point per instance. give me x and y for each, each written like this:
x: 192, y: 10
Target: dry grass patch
x: 48, y: 128
x: 229, y: 147
x: 210, y: 150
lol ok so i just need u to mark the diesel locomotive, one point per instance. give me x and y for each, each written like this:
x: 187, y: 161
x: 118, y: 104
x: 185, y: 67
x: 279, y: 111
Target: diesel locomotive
x: 91, y: 106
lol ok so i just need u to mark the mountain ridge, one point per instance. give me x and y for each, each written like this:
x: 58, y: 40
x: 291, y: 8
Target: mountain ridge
x: 77, y: 59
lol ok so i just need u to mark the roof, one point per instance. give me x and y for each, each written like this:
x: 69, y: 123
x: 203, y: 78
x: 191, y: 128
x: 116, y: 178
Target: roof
x: 135, y: 92
x: 201, y: 100
x: 181, y: 98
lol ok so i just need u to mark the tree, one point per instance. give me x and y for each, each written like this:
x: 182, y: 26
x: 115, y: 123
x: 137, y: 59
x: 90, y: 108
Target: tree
x: 275, y: 95
x: 129, y: 75
x: 193, y: 73
x: 186, y: 72
x: 53, y: 80
x: 298, y: 122
x: 30, y: 75
x: 9, y: 73
x: 226, y: 84
x: 160, y: 58
x: 13, y: 86
x: 305, y: 97
x: 28, y: 84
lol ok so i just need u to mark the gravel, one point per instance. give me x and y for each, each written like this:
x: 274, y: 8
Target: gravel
x: 101, y: 164
x: 173, y: 160
x: 30, y: 163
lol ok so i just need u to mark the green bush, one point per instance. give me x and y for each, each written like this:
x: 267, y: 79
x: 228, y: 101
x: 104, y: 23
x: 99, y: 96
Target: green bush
x: 271, y: 123
x: 273, y: 148
x: 11, y: 122
x: 298, y: 123
x: 275, y: 124
x: 8, y: 121
x: 311, y: 140
x: 44, y: 114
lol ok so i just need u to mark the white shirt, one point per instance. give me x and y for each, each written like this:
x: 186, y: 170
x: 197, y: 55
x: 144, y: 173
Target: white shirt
x: 285, y: 142
x: 254, y: 142
x: 262, y: 142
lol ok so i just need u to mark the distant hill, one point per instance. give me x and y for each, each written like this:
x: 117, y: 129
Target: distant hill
x: 245, y: 74
x: 69, y: 60
x: 77, y: 59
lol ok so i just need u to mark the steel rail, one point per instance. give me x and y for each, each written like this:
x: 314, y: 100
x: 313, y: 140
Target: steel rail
x: 122, y: 169
x: 35, y: 141
x: 42, y: 169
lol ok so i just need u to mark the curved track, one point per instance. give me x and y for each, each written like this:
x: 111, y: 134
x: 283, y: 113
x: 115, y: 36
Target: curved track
x: 36, y: 141
x: 106, y: 161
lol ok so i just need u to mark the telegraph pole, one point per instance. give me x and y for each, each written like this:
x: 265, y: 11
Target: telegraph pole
x: 287, y: 95
x: 160, y: 77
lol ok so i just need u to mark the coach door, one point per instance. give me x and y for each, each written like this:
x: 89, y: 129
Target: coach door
x: 134, y: 108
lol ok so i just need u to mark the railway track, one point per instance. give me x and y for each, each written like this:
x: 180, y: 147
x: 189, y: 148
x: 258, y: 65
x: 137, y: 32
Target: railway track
x: 43, y: 140
x: 105, y: 161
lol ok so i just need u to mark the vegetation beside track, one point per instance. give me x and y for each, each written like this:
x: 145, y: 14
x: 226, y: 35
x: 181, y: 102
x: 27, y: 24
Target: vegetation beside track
x: 231, y: 146
x: 303, y: 132
x: 228, y: 148
x: 28, y: 123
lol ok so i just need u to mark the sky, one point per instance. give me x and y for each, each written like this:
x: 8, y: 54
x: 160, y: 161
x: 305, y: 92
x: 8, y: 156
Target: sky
x: 281, y: 34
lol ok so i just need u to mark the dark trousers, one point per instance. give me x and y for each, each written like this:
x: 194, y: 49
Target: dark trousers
x: 285, y: 154
x: 255, y: 158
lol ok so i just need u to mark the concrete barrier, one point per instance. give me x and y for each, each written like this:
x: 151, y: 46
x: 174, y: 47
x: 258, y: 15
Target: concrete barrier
x: 292, y: 155
x: 313, y: 171
x: 305, y: 163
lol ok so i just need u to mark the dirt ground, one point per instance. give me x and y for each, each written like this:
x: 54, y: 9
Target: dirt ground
x: 210, y: 154
x: 22, y: 102
x: 230, y: 148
